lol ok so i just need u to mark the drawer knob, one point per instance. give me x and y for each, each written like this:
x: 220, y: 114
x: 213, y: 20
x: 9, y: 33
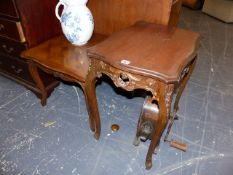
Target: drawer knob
x: 16, y: 70
x: 2, y: 27
x: 8, y: 50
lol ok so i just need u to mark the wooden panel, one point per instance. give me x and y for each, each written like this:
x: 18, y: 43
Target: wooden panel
x: 11, y: 47
x: 113, y: 15
x: 175, y: 12
x: 8, y: 8
x: 12, y: 30
x: 38, y: 20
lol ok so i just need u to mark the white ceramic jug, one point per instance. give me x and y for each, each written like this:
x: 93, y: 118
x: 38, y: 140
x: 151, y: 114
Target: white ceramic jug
x: 76, y: 21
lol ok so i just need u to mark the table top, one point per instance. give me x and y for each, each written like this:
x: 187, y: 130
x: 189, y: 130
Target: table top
x: 59, y: 55
x: 149, y: 49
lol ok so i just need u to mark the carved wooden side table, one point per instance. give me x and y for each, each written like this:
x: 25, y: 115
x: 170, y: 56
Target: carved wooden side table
x: 66, y: 61
x: 146, y: 56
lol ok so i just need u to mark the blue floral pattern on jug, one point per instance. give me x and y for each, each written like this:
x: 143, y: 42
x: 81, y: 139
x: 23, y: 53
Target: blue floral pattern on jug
x: 90, y: 17
x: 73, y: 22
x: 65, y: 18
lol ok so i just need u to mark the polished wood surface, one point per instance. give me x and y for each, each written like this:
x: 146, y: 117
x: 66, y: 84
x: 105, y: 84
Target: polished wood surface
x: 61, y: 56
x: 154, y: 50
x: 113, y: 15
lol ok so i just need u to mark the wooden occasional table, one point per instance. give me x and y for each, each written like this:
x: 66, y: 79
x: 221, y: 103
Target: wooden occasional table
x: 66, y: 61
x: 152, y: 57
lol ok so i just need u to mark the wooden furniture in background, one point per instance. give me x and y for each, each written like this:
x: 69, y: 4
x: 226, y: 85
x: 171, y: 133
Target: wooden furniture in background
x: 175, y: 12
x: 220, y: 9
x: 194, y: 4
x: 113, y: 15
x: 24, y: 24
x: 61, y: 59
x: 156, y: 58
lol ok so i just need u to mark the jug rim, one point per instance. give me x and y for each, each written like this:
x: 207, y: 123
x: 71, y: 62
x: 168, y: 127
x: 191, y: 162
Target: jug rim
x: 74, y: 2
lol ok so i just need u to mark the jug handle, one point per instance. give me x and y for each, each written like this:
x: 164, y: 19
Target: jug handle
x: 57, y: 8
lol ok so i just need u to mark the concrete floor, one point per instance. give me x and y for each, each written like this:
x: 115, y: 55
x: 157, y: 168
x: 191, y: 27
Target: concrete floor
x: 68, y: 147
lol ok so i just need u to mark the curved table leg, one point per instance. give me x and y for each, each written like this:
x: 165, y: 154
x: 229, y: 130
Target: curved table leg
x: 162, y: 121
x: 91, y: 120
x: 183, y: 85
x: 164, y: 104
x: 36, y: 77
x: 136, y: 140
x: 92, y: 105
x: 178, y: 96
x: 88, y: 105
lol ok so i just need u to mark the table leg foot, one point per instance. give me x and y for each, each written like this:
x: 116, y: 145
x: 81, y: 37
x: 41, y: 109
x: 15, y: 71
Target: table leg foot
x: 97, y: 136
x: 92, y: 108
x: 136, y: 141
x: 43, y: 101
x: 148, y: 164
x: 92, y: 105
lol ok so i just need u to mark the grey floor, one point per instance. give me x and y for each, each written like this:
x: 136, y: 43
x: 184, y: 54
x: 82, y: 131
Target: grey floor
x: 67, y: 147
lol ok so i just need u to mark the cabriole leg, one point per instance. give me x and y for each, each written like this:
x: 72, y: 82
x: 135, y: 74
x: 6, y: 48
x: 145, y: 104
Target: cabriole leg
x: 36, y: 77
x: 92, y: 105
x: 161, y: 124
x: 183, y: 85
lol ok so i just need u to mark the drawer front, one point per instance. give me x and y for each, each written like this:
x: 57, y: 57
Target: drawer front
x: 10, y: 47
x: 12, y: 30
x: 15, y: 67
x: 8, y: 8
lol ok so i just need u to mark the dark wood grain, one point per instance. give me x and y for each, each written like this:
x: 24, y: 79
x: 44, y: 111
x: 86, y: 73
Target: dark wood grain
x: 113, y: 15
x: 12, y: 30
x: 8, y: 8
x: 175, y: 12
x: 39, y: 20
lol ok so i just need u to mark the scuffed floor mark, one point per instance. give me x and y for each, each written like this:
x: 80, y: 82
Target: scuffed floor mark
x: 20, y: 140
x: 192, y: 161
x: 77, y: 94
x: 12, y: 100
x: 7, y: 166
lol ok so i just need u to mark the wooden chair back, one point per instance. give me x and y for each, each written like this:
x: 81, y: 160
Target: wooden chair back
x: 113, y: 15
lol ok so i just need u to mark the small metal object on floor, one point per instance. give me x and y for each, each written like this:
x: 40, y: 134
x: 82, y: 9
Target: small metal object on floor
x: 115, y: 127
